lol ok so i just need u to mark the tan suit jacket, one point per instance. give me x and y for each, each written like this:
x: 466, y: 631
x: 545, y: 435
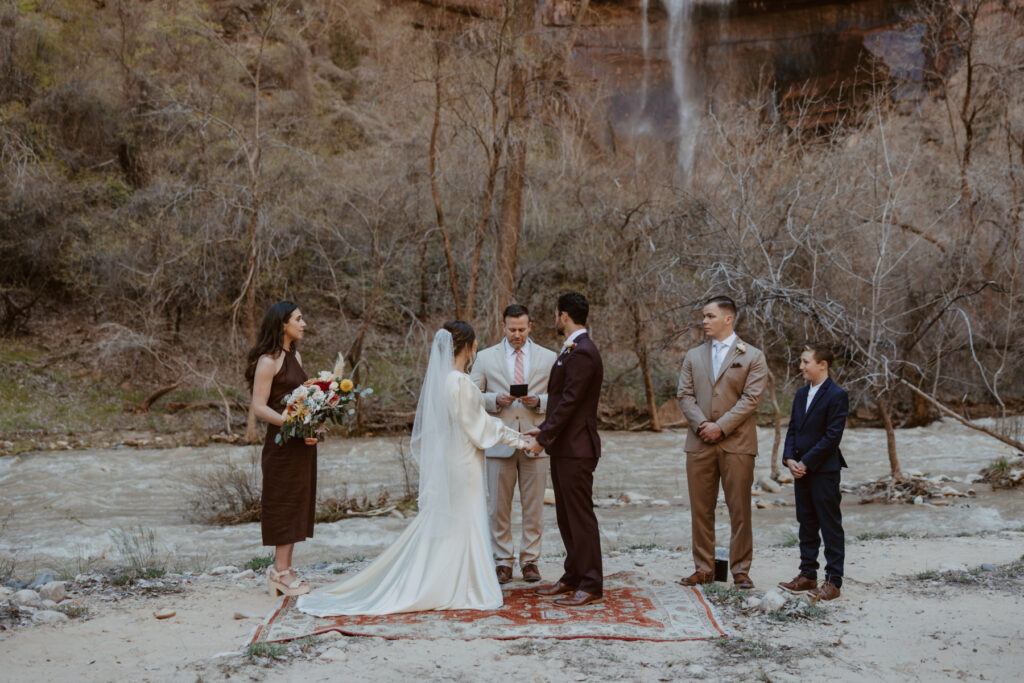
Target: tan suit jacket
x: 490, y: 373
x: 730, y: 400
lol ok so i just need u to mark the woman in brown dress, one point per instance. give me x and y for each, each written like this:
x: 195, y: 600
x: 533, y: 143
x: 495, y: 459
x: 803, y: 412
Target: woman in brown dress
x: 289, y: 469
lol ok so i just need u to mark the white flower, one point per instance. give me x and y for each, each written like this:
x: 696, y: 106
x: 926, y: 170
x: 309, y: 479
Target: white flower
x: 741, y: 347
x: 324, y: 376
x: 334, y: 386
x: 300, y: 392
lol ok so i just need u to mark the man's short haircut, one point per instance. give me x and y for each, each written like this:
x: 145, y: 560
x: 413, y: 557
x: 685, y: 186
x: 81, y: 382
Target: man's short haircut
x: 723, y: 302
x: 575, y: 304
x: 515, y: 311
x: 821, y: 352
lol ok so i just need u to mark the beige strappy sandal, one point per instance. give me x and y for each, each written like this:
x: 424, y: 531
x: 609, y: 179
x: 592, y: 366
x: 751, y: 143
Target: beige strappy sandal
x: 278, y: 587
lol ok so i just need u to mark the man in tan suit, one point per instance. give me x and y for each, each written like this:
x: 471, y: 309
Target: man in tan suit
x: 515, y: 361
x: 719, y: 388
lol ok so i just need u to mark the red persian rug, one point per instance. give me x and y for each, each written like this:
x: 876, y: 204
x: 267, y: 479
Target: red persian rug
x: 635, y: 607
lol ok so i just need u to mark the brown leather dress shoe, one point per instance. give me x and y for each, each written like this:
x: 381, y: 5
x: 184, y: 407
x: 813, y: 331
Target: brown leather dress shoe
x: 504, y: 574
x: 800, y: 584
x: 698, y: 578
x: 553, y: 591
x: 530, y: 573
x: 828, y: 591
x: 742, y: 581
x: 580, y: 599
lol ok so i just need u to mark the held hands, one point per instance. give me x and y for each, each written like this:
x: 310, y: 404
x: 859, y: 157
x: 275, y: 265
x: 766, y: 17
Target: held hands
x: 504, y: 400
x: 530, y: 401
x: 710, y: 432
x: 531, y: 439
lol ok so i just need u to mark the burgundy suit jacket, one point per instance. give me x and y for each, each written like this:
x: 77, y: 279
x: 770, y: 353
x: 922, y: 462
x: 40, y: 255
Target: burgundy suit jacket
x: 569, y: 429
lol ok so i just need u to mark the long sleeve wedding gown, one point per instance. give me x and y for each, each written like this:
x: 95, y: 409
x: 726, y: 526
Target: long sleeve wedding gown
x: 442, y: 561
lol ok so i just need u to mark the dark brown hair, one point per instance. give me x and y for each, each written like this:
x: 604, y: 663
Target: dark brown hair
x: 270, y: 340
x: 724, y: 302
x: 515, y: 311
x: 462, y: 334
x: 821, y: 352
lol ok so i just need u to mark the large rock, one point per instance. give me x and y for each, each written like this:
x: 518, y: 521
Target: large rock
x: 53, y: 590
x: 669, y: 414
x: 40, y: 581
x: 225, y: 569
x: 49, y: 616
x: 767, y: 484
x: 772, y: 601
x: 26, y: 597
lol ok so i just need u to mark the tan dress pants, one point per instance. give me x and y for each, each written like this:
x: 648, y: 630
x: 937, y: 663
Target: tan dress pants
x: 502, y: 474
x: 704, y: 469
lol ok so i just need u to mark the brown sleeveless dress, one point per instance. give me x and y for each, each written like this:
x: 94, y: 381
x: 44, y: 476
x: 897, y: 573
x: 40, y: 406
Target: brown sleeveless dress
x: 289, y: 471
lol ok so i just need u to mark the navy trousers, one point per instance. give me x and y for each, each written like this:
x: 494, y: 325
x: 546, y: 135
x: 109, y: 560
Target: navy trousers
x: 817, y: 511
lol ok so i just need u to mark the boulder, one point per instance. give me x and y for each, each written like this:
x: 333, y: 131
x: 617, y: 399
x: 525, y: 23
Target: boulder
x: 41, y: 580
x: 49, y: 616
x: 772, y: 601
x: 767, y: 484
x: 54, y: 590
x: 225, y: 569
x: 669, y: 414
x: 26, y: 597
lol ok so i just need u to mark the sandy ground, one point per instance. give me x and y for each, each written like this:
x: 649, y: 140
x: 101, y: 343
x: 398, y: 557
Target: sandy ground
x: 888, y: 625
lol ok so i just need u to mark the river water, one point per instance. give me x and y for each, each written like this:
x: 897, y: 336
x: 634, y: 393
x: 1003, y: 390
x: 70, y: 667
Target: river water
x: 60, y: 510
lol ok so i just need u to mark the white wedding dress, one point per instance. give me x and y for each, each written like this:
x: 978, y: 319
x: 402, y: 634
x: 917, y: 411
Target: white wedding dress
x: 442, y: 561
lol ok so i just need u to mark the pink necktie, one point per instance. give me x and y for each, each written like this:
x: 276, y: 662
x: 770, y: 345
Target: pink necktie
x: 519, y: 378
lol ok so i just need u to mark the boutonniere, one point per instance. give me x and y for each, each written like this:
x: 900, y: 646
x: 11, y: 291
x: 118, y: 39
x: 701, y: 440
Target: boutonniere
x: 568, y: 346
x: 741, y: 347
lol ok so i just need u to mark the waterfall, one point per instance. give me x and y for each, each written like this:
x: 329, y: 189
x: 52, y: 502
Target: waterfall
x: 678, y: 48
x: 645, y: 40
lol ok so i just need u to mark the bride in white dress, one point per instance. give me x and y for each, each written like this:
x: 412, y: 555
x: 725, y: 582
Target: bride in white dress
x: 442, y: 560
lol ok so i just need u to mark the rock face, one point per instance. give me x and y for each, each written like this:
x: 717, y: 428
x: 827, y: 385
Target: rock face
x: 807, y: 49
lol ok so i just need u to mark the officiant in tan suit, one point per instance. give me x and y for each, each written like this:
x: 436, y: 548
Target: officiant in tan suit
x: 515, y: 361
x: 720, y: 386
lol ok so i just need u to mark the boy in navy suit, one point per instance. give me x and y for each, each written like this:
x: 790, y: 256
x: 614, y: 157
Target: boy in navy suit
x: 812, y: 454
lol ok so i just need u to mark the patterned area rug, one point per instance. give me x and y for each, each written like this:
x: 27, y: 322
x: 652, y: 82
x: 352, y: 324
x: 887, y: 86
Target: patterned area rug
x: 635, y: 607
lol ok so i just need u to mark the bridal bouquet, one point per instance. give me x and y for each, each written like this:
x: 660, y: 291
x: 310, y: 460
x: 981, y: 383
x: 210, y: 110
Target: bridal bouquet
x: 316, y: 402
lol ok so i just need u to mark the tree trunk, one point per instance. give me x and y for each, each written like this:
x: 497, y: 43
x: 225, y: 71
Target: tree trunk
x: 890, y: 435
x: 777, y: 423
x: 515, y: 166
x: 453, y: 279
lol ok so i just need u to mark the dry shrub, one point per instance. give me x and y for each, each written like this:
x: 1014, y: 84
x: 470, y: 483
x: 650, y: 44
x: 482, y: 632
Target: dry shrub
x: 889, y: 490
x: 1004, y: 473
x: 343, y: 506
x: 229, y: 493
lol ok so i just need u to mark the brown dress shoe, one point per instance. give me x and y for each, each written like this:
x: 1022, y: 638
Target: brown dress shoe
x: 579, y: 599
x: 828, y: 591
x: 800, y: 584
x: 504, y: 574
x: 553, y: 591
x: 742, y: 581
x: 530, y: 573
x: 698, y: 578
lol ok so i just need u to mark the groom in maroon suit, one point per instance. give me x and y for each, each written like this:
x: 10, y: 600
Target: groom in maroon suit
x: 569, y: 435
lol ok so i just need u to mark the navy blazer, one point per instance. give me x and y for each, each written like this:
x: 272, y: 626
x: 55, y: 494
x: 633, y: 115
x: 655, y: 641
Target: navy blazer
x: 815, y: 431
x: 569, y: 429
